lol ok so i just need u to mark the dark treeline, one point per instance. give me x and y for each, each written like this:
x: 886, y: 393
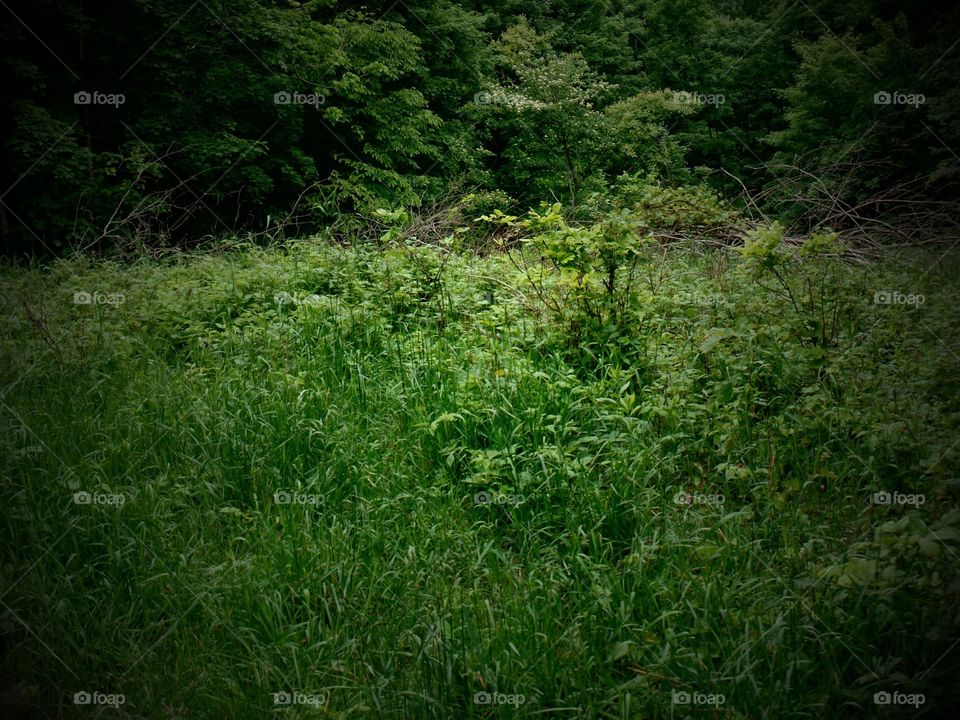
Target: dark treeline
x: 166, y: 120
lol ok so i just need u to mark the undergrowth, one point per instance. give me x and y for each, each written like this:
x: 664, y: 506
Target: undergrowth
x: 378, y: 483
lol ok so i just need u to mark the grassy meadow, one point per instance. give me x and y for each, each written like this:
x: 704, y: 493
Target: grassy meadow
x: 327, y: 480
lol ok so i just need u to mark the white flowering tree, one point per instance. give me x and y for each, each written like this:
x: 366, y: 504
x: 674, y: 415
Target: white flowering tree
x: 545, y: 102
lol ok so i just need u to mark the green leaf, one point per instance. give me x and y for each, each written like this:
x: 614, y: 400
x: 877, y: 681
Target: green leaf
x: 619, y: 650
x: 715, y: 336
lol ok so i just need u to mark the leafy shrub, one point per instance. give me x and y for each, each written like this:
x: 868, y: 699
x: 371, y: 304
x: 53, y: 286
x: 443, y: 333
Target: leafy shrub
x: 809, y: 276
x: 685, y: 208
x: 584, y: 276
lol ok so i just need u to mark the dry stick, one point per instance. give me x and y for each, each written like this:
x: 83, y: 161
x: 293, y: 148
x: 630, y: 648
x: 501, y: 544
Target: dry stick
x: 146, y: 206
x: 924, y: 225
x: 746, y: 194
x: 40, y: 326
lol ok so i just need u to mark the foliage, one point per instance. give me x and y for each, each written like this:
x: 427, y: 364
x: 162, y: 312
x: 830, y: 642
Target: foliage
x: 685, y: 208
x: 299, y: 442
x: 807, y: 276
x: 393, y: 105
x: 301, y: 403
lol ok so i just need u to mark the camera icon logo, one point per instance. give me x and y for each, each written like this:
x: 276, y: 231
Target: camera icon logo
x: 882, y: 98
x: 882, y: 698
x: 682, y: 498
x: 282, y: 698
x: 282, y: 497
x: 82, y: 698
x: 82, y: 498
x: 82, y: 298
x: 82, y: 98
x: 882, y: 297
x: 482, y: 698
x: 882, y: 498
x: 282, y: 98
x: 680, y: 698
x: 482, y: 498
x: 482, y: 98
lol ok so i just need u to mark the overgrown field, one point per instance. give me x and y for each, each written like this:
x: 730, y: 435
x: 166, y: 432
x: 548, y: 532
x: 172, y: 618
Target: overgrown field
x: 329, y: 481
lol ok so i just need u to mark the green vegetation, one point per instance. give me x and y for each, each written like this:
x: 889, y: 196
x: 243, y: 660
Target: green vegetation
x: 389, y: 478
x: 479, y: 359
x: 165, y: 121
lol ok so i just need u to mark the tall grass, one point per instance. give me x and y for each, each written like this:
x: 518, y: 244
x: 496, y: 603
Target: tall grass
x: 303, y: 484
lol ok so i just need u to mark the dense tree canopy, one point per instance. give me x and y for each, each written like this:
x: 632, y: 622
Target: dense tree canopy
x: 182, y: 119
